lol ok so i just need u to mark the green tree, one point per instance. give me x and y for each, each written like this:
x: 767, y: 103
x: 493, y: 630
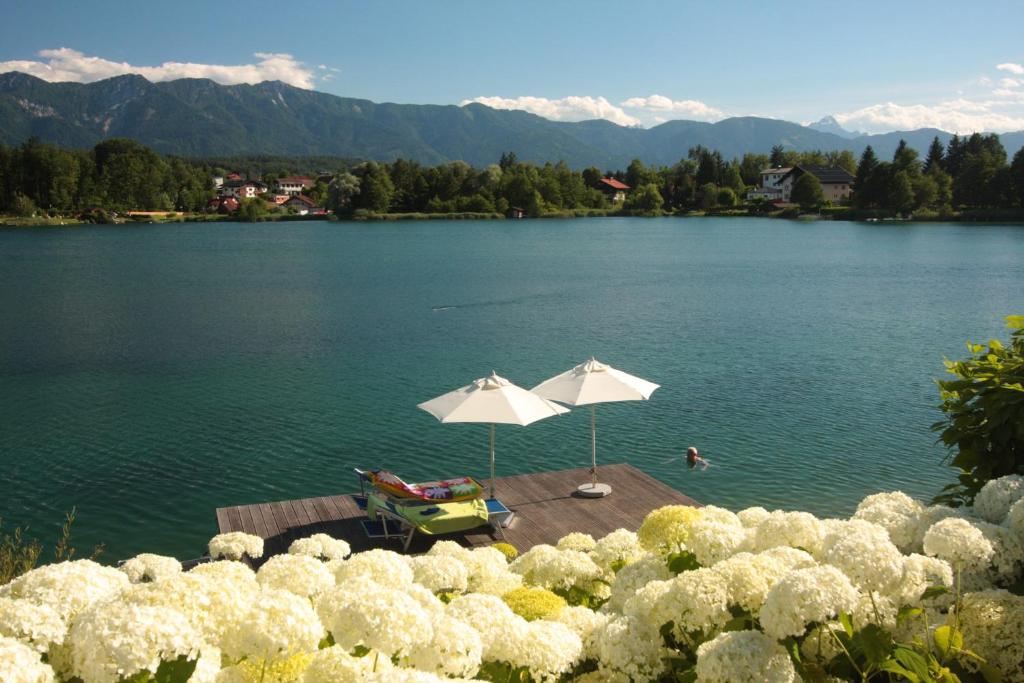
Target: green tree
x: 901, y: 193
x: 842, y: 159
x: 936, y: 155
x: 863, y: 195
x: 732, y: 178
x: 807, y: 192
x: 251, y: 210
x: 905, y: 159
x: 1017, y: 177
x: 707, y: 196
x: 726, y: 197
x: 751, y: 166
x: 375, y: 189
x: 943, y: 187
x: 23, y: 206
x: 777, y: 158
x: 984, y: 411
x: 343, y: 188
x: 646, y: 200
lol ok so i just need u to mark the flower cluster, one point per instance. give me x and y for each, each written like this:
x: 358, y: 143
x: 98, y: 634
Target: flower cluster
x: 235, y: 544
x: 700, y: 593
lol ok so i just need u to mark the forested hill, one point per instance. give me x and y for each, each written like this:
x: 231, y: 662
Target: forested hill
x: 197, y: 117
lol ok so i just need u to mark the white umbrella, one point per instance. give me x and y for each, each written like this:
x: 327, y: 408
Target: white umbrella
x: 589, y: 383
x: 492, y: 400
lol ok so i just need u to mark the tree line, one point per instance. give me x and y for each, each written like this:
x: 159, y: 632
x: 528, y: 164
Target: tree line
x: 121, y: 174
x: 969, y: 173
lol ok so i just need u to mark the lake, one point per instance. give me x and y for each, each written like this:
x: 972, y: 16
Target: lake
x: 149, y: 374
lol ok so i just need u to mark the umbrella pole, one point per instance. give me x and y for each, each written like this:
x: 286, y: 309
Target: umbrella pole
x: 593, y: 445
x: 492, y: 460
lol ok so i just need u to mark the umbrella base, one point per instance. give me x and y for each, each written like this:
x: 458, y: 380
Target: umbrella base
x: 594, y: 490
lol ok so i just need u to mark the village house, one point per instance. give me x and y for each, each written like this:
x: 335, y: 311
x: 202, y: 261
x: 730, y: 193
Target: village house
x: 836, y: 182
x: 614, y: 189
x: 243, y: 189
x: 770, y: 188
x: 301, y: 203
x: 293, y: 185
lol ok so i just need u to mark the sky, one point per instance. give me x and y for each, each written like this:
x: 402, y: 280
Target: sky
x: 875, y: 66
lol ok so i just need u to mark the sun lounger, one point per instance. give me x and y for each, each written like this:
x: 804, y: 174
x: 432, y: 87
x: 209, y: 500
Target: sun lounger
x: 444, y: 491
x: 429, y: 517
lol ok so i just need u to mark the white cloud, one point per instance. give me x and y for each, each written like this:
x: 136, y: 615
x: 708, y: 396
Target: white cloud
x: 955, y: 116
x: 1010, y: 82
x: 662, y: 108
x: 65, y: 64
x: 1012, y: 68
x: 642, y: 110
x: 572, y: 108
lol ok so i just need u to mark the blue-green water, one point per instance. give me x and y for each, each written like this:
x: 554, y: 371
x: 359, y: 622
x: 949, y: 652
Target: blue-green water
x: 151, y: 374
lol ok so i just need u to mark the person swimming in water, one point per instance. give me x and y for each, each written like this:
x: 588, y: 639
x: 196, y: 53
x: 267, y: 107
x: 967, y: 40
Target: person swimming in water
x: 693, y: 459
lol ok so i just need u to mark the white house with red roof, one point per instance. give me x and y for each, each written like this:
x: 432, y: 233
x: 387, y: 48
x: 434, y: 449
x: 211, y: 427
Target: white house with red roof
x: 293, y: 185
x: 614, y: 189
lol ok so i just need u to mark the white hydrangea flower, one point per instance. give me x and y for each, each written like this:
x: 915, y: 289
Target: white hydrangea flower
x: 456, y: 650
x: 712, y: 540
x: 383, y: 567
x: 488, y: 570
x: 584, y: 623
x: 301, y: 574
x: 427, y: 600
x: 713, y: 513
x: 919, y: 573
x: 896, y: 512
x: 320, y: 546
x: 277, y: 625
x: 744, y: 657
x: 960, y: 543
x: 748, y: 579
x: 629, y: 650
x: 548, y: 567
x: 400, y: 675
x: 992, y: 623
x: 752, y: 517
x: 1015, y: 518
x: 576, y: 541
x: 791, y: 529
x: 635, y: 576
x: 225, y: 570
x: 212, y: 600
x: 68, y: 587
x: 149, y: 567
x: 930, y: 516
x: 864, y: 552
x: 361, y: 612
x: 786, y: 559
x: 37, y: 625
x: 1008, y: 553
x: 19, y: 663
x: 113, y: 640
x: 335, y: 665
x: 695, y: 600
x: 234, y: 544
x: 440, y: 573
x: 548, y: 648
x: 996, y: 497
x: 620, y: 547
x: 805, y: 596
x: 491, y: 617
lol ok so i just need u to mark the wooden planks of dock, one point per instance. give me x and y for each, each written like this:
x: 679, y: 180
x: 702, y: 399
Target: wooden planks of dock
x: 545, y: 503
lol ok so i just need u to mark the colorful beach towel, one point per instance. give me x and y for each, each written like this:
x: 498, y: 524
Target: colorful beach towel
x: 445, y: 490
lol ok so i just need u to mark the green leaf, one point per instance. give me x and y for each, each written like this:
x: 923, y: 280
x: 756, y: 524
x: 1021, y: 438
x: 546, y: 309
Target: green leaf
x: 876, y: 643
x: 948, y: 639
x: 934, y: 592
x: 893, y: 667
x: 913, y: 661
x: 907, y: 612
x: 847, y: 622
x: 793, y: 648
x: 682, y: 562
x: 176, y: 671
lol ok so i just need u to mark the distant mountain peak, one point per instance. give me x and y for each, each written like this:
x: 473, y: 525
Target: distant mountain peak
x: 829, y: 124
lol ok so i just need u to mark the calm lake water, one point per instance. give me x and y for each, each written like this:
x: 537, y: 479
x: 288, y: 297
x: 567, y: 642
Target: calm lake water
x: 149, y: 374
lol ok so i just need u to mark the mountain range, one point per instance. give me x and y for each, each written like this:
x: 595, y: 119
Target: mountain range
x: 198, y: 117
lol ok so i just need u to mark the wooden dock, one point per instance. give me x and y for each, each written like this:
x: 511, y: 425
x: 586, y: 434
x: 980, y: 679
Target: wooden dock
x: 546, y: 508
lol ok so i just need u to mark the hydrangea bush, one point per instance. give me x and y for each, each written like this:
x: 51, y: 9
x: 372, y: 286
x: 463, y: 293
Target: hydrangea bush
x: 900, y: 591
